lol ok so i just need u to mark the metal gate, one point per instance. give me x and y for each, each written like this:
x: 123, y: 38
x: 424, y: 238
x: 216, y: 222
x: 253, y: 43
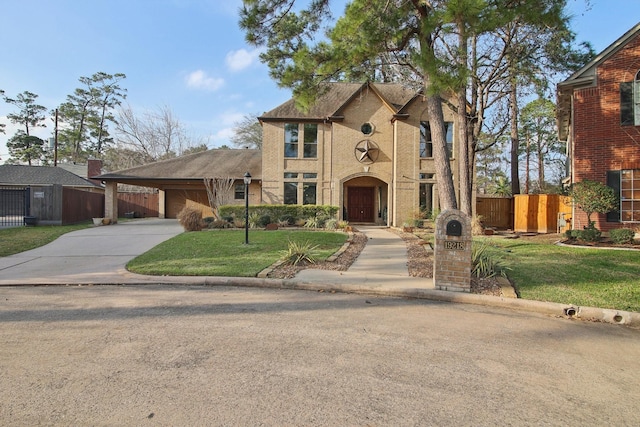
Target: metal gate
x: 14, y: 206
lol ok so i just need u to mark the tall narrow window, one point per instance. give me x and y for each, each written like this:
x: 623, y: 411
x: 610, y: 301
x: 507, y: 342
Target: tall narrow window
x: 310, y: 150
x: 630, y: 102
x: 291, y: 140
x: 290, y: 193
x: 309, y: 193
x: 636, y: 100
x: 426, y: 144
x: 630, y: 195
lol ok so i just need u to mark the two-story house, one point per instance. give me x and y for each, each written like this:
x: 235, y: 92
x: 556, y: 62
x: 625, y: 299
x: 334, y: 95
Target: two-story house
x: 599, y: 118
x: 363, y: 147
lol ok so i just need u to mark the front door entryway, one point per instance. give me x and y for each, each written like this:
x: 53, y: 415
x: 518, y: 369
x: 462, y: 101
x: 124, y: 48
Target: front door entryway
x: 361, y: 204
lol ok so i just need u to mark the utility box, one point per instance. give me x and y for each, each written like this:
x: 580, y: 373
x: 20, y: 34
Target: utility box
x: 452, y: 251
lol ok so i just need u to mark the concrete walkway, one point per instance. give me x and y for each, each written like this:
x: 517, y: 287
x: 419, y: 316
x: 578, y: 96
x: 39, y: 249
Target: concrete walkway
x: 382, y: 264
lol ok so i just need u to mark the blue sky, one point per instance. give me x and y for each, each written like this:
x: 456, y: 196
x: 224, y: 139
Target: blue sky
x: 188, y: 55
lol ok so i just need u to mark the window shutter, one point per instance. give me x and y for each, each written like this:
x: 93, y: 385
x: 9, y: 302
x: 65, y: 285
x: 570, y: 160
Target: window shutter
x: 626, y: 104
x: 613, y: 181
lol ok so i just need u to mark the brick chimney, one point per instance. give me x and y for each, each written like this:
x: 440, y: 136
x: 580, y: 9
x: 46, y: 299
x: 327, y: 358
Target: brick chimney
x: 94, y: 168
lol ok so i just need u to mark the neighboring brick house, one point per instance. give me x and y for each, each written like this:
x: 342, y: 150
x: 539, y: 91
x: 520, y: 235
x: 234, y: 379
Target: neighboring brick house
x: 363, y: 147
x: 599, y: 117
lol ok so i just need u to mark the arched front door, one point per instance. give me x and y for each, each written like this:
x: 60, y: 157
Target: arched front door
x: 365, y: 200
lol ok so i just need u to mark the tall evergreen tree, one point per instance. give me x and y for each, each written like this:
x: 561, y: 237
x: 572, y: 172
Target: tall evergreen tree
x: 86, y: 114
x: 23, y: 146
x: 424, y: 43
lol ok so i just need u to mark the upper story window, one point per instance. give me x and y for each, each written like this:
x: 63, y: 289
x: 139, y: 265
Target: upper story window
x: 426, y: 144
x: 291, y: 139
x: 309, y: 139
x: 630, y: 102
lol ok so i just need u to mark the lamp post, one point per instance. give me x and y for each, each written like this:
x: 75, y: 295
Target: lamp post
x: 247, y: 181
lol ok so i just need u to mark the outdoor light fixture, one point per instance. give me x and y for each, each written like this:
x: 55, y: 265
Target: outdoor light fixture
x: 247, y: 181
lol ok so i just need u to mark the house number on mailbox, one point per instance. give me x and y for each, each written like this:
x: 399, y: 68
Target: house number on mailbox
x: 453, y: 245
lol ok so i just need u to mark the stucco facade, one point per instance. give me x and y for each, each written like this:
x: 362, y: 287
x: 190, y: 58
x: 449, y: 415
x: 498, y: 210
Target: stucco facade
x: 359, y: 148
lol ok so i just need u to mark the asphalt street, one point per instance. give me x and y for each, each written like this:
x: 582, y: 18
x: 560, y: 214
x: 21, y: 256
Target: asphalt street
x: 199, y: 355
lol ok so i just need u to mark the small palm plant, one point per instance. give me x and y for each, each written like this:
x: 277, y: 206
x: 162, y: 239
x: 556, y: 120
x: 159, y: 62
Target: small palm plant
x: 300, y: 252
x: 486, y: 263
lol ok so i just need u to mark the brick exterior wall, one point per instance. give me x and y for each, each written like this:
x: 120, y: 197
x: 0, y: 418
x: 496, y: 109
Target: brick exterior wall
x: 394, y: 175
x: 600, y: 143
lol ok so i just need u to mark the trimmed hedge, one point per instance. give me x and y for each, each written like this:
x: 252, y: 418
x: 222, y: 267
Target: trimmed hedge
x: 280, y: 212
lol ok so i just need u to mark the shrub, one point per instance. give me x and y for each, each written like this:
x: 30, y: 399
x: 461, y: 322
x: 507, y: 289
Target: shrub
x: 190, y: 219
x: 254, y: 219
x: 219, y: 224
x: 622, y: 235
x: 331, y: 224
x: 287, y: 220
x: 485, y: 263
x: 590, y: 233
x: 228, y: 218
x: 311, y: 222
x: 297, y: 253
x: 264, y: 220
x: 477, y: 229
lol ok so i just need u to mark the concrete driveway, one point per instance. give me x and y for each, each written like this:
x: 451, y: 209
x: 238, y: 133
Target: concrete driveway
x: 93, y: 255
x: 223, y: 356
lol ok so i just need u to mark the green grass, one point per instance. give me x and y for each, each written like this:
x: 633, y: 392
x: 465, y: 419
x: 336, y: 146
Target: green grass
x: 570, y: 275
x: 539, y: 270
x: 19, y: 239
x: 223, y: 252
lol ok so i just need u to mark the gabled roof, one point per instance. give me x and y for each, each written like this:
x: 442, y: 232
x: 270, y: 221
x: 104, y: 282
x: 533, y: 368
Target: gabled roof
x: 337, y: 96
x: 218, y: 163
x: 41, y: 175
x: 585, y: 76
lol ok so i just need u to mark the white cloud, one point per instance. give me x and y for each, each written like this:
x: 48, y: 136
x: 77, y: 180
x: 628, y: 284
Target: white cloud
x: 200, y: 80
x: 238, y: 60
x: 231, y: 118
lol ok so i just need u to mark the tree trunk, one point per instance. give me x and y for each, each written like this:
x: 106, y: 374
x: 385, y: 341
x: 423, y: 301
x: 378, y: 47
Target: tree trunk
x: 515, y: 142
x: 527, y: 163
x: 444, y: 178
x: 465, y: 168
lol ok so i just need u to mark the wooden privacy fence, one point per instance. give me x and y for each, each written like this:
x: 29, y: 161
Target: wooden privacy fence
x: 542, y: 213
x: 138, y: 205
x: 496, y: 212
x: 78, y: 205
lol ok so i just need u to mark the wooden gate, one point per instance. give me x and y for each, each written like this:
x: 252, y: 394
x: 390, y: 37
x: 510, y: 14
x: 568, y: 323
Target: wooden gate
x: 495, y: 211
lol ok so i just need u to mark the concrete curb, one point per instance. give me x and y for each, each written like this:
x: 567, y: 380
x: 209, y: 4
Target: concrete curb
x: 567, y: 311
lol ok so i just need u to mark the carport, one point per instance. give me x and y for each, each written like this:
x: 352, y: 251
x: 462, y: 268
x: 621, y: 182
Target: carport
x: 180, y: 181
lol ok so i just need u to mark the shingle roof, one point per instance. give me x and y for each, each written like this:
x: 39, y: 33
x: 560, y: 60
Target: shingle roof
x: 336, y: 96
x: 212, y: 163
x: 40, y: 175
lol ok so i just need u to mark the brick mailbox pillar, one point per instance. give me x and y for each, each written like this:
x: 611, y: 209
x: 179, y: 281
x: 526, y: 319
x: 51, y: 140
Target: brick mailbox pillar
x: 452, y: 252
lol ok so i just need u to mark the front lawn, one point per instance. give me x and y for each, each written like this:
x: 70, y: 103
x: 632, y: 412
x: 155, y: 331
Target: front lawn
x: 19, y: 239
x: 543, y: 271
x: 223, y: 252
